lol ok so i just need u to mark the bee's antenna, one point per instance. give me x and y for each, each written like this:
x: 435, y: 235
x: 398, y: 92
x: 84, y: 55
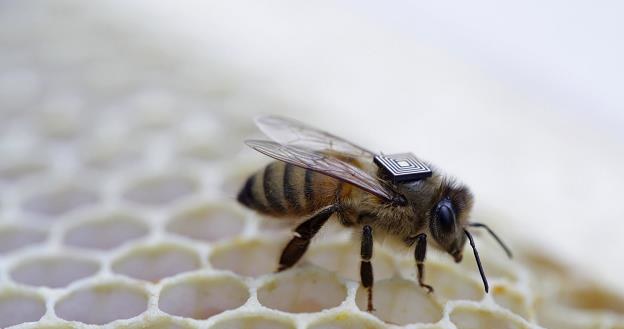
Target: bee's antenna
x: 500, y: 242
x: 476, y: 254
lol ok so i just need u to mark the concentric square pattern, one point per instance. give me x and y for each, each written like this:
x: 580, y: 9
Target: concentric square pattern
x: 403, y: 167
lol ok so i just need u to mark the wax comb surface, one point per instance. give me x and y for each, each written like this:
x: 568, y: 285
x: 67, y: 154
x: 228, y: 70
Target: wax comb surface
x: 120, y: 162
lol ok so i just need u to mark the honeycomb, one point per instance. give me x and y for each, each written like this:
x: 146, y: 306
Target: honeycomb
x: 120, y: 163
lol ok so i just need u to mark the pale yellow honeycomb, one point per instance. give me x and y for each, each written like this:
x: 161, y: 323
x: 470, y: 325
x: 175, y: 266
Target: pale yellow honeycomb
x: 119, y: 168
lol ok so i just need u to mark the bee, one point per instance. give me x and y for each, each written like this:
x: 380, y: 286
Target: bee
x: 394, y: 197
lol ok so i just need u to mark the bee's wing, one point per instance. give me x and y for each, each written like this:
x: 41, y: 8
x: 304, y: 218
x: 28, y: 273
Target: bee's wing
x: 324, y: 164
x: 291, y: 132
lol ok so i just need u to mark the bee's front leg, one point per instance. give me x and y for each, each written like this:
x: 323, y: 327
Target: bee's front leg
x: 420, y: 253
x: 366, y: 268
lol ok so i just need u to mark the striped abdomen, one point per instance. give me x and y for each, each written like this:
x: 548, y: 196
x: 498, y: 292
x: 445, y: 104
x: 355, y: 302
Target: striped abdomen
x: 282, y: 189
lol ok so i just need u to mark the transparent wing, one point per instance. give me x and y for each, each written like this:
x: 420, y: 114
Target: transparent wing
x: 291, y: 132
x: 324, y: 164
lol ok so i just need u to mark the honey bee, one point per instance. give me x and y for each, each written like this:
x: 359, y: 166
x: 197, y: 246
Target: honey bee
x: 395, y: 197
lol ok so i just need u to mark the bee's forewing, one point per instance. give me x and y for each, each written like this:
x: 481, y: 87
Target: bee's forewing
x: 324, y: 164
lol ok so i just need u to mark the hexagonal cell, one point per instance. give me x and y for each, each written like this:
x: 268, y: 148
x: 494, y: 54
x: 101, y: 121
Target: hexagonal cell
x: 541, y: 262
x: 346, y: 320
x: 591, y: 297
x: 255, y: 321
x: 207, y: 223
x: 155, y: 108
x: 60, y: 116
x: 60, y: 201
x: 344, y: 258
x: 204, y: 151
x: 511, y: 299
x: 472, y: 317
x: 447, y: 282
x: 106, y: 232
x: 552, y: 315
x: 19, y: 87
x: 18, y: 307
x: 102, y: 303
x: 16, y: 172
x: 14, y: 237
x: 303, y: 290
x: 253, y: 257
x: 53, y: 271
x: 158, y: 323
x: 161, y: 190
x: 399, y: 301
x: 45, y: 325
x: 153, y: 263
x: 106, y: 156
x: 102, y: 79
x: 205, y: 136
x: 201, y: 297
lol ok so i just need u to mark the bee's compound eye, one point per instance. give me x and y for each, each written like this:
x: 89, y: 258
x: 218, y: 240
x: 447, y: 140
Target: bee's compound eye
x: 445, y: 216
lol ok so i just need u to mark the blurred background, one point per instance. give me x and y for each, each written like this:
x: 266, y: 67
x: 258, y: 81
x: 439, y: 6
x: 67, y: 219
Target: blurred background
x: 521, y: 101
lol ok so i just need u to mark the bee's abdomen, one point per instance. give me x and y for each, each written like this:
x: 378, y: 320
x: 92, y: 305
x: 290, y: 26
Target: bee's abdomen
x: 283, y: 189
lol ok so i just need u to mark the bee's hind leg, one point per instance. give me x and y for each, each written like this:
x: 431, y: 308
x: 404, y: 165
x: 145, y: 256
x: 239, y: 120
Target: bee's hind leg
x: 298, y: 245
x: 366, y: 268
x: 419, y: 253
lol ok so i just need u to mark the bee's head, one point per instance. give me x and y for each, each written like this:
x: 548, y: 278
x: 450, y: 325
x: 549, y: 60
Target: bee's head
x: 449, y: 216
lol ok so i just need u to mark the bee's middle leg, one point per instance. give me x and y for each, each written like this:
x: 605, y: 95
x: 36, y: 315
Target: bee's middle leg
x: 419, y: 253
x: 366, y: 268
x: 298, y: 245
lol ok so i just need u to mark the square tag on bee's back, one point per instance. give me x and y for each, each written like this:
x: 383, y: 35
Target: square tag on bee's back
x: 403, y: 167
